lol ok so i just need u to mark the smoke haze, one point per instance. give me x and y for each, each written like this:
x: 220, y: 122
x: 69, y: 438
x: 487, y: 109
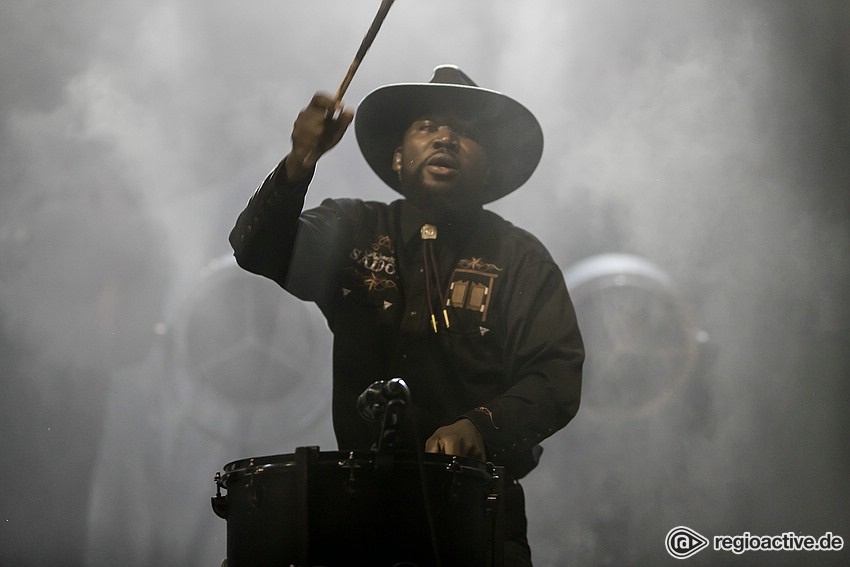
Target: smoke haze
x: 709, y: 137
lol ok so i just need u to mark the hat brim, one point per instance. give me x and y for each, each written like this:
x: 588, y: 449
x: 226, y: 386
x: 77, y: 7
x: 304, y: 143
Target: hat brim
x: 510, y: 133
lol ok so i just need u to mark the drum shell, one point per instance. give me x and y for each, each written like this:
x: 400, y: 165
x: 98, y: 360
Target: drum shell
x: 340, y: 508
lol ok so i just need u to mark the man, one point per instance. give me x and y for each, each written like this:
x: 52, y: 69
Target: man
x: 469, y: 310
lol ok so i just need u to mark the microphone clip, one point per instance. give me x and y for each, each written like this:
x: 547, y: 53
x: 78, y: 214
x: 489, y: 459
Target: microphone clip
x: 385, y: 400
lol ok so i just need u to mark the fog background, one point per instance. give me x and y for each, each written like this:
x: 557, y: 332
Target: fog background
x: 708, y: 138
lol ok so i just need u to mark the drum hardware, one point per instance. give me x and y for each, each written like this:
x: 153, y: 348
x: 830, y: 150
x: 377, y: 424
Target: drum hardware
x: 219, y: 502
x: 454, y: 468
x: 496, y: 509
x: 351, y: 464
x: 497, y: 486
x: 255, y: 489
x: 306, y: 461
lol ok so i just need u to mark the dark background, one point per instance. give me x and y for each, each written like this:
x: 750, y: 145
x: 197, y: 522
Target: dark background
x: 709, y: 138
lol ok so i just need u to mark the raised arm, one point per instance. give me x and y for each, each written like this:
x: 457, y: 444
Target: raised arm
x: 264, y: 235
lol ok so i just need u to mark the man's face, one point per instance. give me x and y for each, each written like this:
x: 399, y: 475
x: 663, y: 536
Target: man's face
x: 441, y: 161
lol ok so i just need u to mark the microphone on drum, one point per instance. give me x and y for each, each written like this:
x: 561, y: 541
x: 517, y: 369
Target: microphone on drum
x: 372, y: 403
x: 387, y: 400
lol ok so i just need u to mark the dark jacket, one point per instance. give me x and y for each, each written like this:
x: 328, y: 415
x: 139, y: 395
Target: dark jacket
x: 510, y: 359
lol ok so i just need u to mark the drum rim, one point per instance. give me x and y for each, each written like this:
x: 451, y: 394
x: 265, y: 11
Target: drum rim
x: 250, y: 466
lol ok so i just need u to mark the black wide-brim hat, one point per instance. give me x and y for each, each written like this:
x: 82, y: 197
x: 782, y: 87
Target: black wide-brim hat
x: 509, y: 132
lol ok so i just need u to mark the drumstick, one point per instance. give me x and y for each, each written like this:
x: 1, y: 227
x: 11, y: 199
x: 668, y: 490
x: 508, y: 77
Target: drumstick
x: 370, y: 36
x: 364, y: 47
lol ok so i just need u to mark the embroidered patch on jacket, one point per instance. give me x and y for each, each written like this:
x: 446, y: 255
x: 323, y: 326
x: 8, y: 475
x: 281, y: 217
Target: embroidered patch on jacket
x: 379, y: 261
x: 374, y: 282
x: 373, y: 269
x: 378, y: 258
x: 472, y: 286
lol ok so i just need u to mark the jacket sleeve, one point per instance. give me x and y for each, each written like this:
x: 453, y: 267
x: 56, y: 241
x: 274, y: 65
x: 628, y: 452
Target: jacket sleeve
x: 263, y: 239
x: 547, y: 354
x: 298, y: 250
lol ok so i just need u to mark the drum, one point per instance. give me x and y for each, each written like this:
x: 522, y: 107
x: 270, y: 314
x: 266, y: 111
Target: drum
x: 360, y: 508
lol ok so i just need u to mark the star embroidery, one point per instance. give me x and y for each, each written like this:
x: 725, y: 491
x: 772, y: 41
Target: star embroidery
x: 371, y: 282
x: 374, y: 282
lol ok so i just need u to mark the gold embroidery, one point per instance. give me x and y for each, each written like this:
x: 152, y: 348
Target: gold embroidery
x: 375, y: 283
x: 379, y: 257
x: 477, y: 264
x: 384, y: 241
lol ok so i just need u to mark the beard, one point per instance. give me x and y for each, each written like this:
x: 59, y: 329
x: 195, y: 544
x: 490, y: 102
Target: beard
x: 443, y: 195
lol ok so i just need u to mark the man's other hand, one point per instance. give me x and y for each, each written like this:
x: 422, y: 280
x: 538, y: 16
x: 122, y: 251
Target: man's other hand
x: 460, y: 438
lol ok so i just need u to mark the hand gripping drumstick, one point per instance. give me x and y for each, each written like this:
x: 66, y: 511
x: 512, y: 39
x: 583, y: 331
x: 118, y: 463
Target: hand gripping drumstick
x: 370, y: 36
